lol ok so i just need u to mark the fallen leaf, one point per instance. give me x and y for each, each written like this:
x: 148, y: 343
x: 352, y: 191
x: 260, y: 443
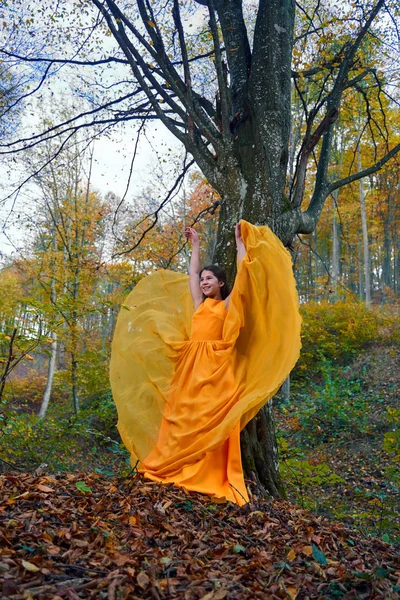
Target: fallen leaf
x: 121, y: 559
x: 291, y: 555
x: 208, y: 596
x: 220, y: 594
x: 82, y: 487
x: 45, y: 488
x: 238, y: 548
x: 143, y: 580
x: 28, y: 566
x: 319, y: 556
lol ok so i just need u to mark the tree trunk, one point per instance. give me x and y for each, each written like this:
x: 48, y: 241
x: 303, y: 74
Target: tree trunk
x: 8, y: 362
x: 260, y: 453
x: 285, y: 390
x: 335, y: 250
x: 50, y: 376
x: 52, y: 362
x: 367, y: 268
x: 74, y: 378
x: 387, y: 279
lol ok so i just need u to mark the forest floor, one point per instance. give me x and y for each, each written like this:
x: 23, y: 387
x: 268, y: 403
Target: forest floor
x: 86, y: 536
x: 80, y: 526
x: 342, y: 467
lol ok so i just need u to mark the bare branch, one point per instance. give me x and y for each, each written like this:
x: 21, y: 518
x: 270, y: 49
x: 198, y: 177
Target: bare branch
x: 175, y: 188
x: 64, y: 61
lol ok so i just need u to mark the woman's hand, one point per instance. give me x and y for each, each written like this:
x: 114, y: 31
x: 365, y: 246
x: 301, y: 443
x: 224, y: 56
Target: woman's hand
x: 238, y: 234
x: 241, y: 248
x: 191, y: 234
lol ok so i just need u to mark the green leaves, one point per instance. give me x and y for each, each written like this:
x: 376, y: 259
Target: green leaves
x: 82, y: 487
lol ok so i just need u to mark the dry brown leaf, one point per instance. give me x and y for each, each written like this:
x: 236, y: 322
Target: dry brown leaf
x: 220, y: 594
x: 291, y: 555
x: 44, y: 488
x: 28, y: 566
x: 143, y: 580
x: 104, y: 544
x: 208, y: 596
x: 121, y: 559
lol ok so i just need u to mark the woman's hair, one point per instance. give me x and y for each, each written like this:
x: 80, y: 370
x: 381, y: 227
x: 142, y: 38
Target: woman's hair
x: 221, y: 276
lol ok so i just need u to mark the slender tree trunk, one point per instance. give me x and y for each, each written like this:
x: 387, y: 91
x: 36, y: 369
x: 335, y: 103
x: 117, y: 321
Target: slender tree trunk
x: 361, y: 290
x: 8, y: 362
x: 311, y: 279
x: 50, y: 376
x: 74, y: 377
x: 285, y: 390
x: 335, y: 224
x: 366, y: 256
x: 387, y: 278
x: 335, y: 246
x: 53, y: 357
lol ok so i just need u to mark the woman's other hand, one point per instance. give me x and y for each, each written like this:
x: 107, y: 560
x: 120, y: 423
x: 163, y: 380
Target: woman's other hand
x: 191, y: 234
x: 238, y: 234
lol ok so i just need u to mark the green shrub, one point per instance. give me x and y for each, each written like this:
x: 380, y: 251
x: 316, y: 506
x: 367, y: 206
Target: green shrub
x: 62, y: 441
x: 337, y: 332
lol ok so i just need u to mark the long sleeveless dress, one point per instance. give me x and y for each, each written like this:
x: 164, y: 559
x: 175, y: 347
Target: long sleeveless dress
x: 185, y: 383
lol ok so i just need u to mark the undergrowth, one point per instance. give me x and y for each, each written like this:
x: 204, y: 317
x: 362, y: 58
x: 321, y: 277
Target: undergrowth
x: 63, y: 441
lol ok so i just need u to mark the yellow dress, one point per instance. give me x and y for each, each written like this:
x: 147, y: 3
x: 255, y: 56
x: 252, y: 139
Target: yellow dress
x: 185, y: 384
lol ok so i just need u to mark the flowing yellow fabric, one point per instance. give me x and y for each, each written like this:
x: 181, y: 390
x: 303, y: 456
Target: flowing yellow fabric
x: 185, y: 383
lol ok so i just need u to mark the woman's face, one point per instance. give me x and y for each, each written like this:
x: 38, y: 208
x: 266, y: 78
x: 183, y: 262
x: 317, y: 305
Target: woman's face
x: 210, y: 286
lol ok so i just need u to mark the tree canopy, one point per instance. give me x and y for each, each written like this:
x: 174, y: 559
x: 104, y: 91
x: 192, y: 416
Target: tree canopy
x: 223, y: 78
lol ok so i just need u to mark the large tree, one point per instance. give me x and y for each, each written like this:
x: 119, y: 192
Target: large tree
x: 221, y: 77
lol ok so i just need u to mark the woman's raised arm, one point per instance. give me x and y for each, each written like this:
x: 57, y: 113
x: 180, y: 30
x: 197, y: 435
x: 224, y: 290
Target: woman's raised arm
x: 241, y: 251
x: 194, y: 268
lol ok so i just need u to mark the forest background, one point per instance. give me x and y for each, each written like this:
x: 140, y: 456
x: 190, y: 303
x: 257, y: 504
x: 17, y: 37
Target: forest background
x: 84, y: 250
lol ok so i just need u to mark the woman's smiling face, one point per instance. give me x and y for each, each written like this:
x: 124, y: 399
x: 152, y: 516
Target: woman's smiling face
x: 210, y: 285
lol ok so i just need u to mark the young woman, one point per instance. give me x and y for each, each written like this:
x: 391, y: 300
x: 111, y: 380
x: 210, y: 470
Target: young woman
x: 189, y: 370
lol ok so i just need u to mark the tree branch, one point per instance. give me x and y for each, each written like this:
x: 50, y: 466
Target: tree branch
x: 64, y: 61
x: 177, y: 184
x: 365, y: 172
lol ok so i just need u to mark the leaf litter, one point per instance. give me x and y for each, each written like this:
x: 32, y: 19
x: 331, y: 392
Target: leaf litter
x: 86, y: 536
